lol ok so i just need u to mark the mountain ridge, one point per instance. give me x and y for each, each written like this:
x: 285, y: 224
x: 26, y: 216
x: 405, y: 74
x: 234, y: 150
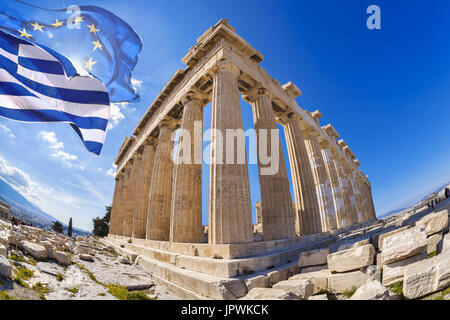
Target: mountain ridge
x: 30, y: 212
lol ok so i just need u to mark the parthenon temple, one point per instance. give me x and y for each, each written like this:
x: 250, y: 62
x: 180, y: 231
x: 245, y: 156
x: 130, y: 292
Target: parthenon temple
x: 157, y: 207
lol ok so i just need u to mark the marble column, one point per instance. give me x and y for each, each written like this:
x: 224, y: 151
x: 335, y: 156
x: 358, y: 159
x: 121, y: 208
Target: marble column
x: 123, y: 199
x: 131, y: 195
x: 230, y: 212
x: 278, y: 219
x: 143, y: 189
x: 364, y: 200
x: 186, y: 213
x: 159, y: 206
x: 345, y: 190
x: 357, y: 195
x: 258, y: 212
x: 351, y: 194
x: 321, y: 181
x: 114, y: 208
x: 372, y: 212
x: 307, y: 213
x: 333, y: 177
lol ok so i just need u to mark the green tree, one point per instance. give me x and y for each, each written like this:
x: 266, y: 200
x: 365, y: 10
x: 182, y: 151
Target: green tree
x: 69, y: 229
x: 57, y: 227
x: 101, y: 225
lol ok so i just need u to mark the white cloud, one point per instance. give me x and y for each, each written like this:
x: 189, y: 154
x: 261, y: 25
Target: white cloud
x: 57, y: 147
x: 111, y: 172
x: 116, y: 112
x: 22, y: 183
x: 50, y: 137
x: 6, y: 130
x: 115, y: 115
x: 136, y: 84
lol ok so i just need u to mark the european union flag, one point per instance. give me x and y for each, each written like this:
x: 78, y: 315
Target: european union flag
x: 91, y: 37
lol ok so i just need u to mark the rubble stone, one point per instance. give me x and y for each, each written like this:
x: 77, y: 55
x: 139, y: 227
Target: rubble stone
x: 403, y: 245
x: 434, y: 222
x: 313, y: 257
x: 35, y: 250
x: 5, y: 267
x: 372, y: 290
x: 302, y: 288
x: 351, y: 259
x: 269, y: 294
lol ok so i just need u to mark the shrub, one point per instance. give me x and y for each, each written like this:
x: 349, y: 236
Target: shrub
x: 121, y: 293
x: 5, y: 296
x: 397, y: 287
x: 60, y: 277
x: 39, y: 287
x: 349, y: 293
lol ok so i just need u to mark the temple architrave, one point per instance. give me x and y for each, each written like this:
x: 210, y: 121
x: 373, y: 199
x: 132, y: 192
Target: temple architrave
x: 156, y: 216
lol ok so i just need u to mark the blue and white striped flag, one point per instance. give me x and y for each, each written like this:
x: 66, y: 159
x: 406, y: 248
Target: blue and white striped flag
x: 39, y: 85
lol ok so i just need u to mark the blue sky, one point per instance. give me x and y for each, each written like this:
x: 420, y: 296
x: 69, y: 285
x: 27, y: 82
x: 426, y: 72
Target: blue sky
x: 385, y: 91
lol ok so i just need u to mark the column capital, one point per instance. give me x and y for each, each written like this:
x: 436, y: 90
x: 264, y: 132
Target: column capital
x: 226, y: 65
x: 331, y: 131
x: 255, y: 92
x: 150, y: 141
x: 291, y: 90
x: 324, y: 144
x: 349, y: 152
x: 168, y: 121
x: 286, y: 116
x: 308, y: 130
x: 128, y: 165
x: 342, y: 143
x: 194, y: 95
x: 316, y: 115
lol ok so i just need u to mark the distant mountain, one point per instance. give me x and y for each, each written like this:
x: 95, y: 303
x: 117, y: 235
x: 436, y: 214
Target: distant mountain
x: 415, y: 200
x: 390, y: 213
x: 29, y: 212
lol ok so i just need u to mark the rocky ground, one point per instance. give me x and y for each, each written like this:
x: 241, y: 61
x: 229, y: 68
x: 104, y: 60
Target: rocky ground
x: 47, y: 266
x: 406, y: 256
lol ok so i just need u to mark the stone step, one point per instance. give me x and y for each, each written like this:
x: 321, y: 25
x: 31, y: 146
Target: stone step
x: 184, y: 282
x: 207, y: 286
x: 199, y: 285
x: 226, y: 268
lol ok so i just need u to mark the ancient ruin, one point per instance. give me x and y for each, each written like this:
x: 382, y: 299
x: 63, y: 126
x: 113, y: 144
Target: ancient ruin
x: 157, y: 207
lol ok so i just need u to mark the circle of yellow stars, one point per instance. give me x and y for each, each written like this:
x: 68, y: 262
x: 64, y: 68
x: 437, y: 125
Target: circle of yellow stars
x: 57, y: 24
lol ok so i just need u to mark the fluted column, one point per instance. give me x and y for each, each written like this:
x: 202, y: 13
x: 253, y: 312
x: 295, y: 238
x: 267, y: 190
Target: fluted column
x: 345, y: 189
x: 363, y: 197
x: 351, y: 192
x: 278, y: 220
x: 258, y: 212
x: 158, y: 215
x: 131, y: 196
x: 143, y: 189
x: 357, y: 195
x: 123, y: 200
x: 371, y: 205
x: 306, y: 205
x: 186, y: 219
x: 114, y: 208
x: 338, y: 199
x: 322, y: 183
x: 230, y: 215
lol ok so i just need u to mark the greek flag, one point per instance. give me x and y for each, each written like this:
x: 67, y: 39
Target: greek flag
x: 39, y: 85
